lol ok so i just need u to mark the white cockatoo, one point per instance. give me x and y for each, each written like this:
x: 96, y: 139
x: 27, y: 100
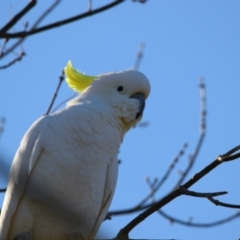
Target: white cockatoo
x: 64, y: 173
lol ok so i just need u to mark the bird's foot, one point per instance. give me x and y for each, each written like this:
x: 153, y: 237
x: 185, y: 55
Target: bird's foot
x: 76, y: 236
x: 23, y: 236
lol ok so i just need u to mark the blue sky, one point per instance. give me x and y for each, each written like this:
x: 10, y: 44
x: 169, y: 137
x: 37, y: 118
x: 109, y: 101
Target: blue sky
x: 185, y: 40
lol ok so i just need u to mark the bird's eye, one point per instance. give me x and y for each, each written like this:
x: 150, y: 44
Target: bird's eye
x: 120, y: 88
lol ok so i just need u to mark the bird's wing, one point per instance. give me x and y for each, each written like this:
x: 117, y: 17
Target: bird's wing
x: 110, y: 184
x: 26, y: 157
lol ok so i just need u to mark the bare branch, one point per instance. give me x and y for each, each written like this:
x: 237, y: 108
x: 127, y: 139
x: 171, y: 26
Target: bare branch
x: 165, y: 176
x: 218, y: 203
x: 139, y: 56
x: 89, y: 5
x: 18, y: 16
x: 201, y: 195
x: 229, y: 158
x: 211, y: 166
x: 200, y: 225
x: 229, y: 153
x: 193, y: 157
x: 123, y: 233
x: 45, y: 13
x: 3, y: 46
x: 38, y: 21
x: 16, y: 59
x: 61, y: 78
x: 60, y: 23
x: 142, y: 204
x: 127, y: 211
x: 3, y: 190
x: 140, y: 1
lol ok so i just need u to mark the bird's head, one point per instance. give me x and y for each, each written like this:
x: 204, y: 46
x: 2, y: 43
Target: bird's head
x: 125, y: 92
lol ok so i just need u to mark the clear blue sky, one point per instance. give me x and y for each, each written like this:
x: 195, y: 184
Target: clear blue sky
x: 185, y: 40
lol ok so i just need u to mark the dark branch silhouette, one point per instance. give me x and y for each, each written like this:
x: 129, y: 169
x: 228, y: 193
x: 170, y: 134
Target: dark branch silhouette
x: 222, y: 204
x: 16, y: 59
x: 165, y: 176
x: 199, y: 225
x: 142, y: 204
x: 18, y: 16
x: 38, y: 21
x: 23, y: 34
x: 123, y: 233
x: 61, y: 78
x: 200, y: 194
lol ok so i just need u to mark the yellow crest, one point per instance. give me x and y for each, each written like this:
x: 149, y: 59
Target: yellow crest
x: 76, y: 80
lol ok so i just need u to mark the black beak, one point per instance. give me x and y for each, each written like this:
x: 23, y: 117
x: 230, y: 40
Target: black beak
x: 140, y: 97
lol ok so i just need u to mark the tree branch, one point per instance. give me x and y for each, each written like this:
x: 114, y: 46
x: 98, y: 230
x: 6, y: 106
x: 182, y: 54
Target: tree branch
x: 3, y: 190
x: 61, y: 78
x: 201, y: 195
x: 123, y: 233
x: 18, y: 16
x: 59, y: 23
x: 165, y: 176
x: 38, y: 21
x: 16, y: 59
x: 193, y: 157
x: 142, y: 204
x: 218, y: 203
x: 200, y: 225
x: 139, y: 56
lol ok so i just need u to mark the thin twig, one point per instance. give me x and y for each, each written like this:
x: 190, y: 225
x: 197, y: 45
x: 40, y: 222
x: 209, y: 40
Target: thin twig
x: 18, y: 16
x: 22, y: 34
x: 229, y: 153
x: 211, y: 166
x: 3, y: 190
x: 142, y: 204
x: 199, y: 225
x: 3, y: 46
x: 218, y: 203
x: 193, y: 157
x: 229, y: 158
x: 139, y: 56
x: 166, y: 175
x: 61, y: 78
x: 200, y: 194
x: 16, y: 59
x: 126, y: 211
x: 89, y: 5
x: 45, y: 13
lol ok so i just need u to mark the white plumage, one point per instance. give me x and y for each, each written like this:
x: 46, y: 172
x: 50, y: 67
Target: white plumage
x: 64, y: 173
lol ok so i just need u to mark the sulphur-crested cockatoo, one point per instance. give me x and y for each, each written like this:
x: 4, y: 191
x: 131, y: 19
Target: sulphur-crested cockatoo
x: 64, y: 173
